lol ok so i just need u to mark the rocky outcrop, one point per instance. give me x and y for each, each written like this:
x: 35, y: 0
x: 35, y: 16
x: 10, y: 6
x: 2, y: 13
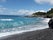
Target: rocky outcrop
x: 50, y: 23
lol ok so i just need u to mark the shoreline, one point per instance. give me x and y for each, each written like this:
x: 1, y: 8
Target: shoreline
x: 20, y: 32
x: 44, y: 34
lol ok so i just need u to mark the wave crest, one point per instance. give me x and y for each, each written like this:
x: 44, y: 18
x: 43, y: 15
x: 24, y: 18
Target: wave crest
x: 6, y: 19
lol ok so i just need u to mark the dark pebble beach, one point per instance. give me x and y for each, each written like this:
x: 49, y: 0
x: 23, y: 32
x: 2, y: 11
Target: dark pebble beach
x: 44, y: 34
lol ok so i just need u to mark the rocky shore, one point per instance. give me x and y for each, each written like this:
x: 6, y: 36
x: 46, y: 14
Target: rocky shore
x: 45, y: 34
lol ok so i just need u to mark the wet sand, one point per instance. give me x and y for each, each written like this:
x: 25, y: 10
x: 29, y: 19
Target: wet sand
x: 45, y: 34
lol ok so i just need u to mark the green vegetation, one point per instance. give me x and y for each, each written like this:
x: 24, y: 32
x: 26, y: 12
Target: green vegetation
x: 39, y: 14
x: 47, y: 14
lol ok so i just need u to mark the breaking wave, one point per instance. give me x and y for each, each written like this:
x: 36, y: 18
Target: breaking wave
x: 42, y: 24
x: 6, y: 19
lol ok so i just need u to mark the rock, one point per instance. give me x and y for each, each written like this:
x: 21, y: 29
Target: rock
x: 47, y: 16
x: 50, y: 23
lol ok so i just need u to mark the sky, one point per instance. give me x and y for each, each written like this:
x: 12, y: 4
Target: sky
x: 24, y: 7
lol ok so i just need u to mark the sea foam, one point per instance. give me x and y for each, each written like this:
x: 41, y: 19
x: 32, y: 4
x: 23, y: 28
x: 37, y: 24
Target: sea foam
x: 24, y: 29
x: 6, y: 19
x: 19, y: 32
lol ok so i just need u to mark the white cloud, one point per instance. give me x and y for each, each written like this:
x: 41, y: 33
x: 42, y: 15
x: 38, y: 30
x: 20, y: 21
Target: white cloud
x: 2, y: 10
x: 44, y: 1
x: 40, y: 11
x: 25, y: 12
x: 6, y: 11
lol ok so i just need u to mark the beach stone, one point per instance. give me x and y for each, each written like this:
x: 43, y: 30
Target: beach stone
x: 50, y: 23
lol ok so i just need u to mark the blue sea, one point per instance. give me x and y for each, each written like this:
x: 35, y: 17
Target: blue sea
x: 17, y: 24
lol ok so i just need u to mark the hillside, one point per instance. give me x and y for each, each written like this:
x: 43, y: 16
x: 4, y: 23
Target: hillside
x: 48, y: 14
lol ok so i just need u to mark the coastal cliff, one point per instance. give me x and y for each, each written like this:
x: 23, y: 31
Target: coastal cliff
x: 48, y: 14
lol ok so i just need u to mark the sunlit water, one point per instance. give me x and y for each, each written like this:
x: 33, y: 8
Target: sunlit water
x: 12, y: 25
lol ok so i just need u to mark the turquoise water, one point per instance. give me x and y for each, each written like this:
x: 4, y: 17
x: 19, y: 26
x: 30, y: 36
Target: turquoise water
x: 15, y: 23
x: 8, y: 23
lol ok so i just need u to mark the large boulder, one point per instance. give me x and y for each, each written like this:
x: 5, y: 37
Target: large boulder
x: 50, y: 23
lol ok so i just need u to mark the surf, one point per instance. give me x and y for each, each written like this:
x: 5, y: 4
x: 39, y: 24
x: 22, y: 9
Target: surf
x: 6, y: 19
